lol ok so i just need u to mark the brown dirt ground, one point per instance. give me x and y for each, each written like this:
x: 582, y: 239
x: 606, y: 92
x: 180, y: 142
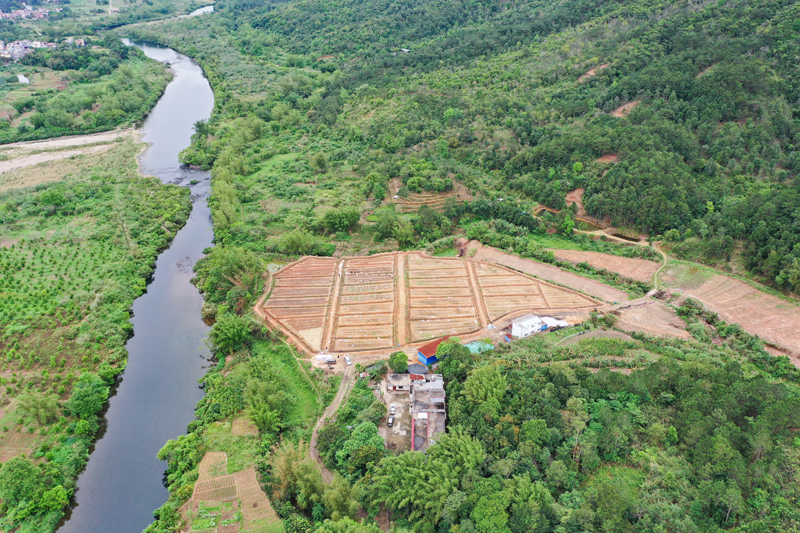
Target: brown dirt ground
x: 352, y: 304
x: 20, y: 148
x: 653, y: 318
x: 773, y: 319
x: 547, y: 272
x: 609, y: 158
x: 35, y: 159
x: 624, y: 110
x: 576, y: 197
x: 638, y: 269
x: 592, y: 72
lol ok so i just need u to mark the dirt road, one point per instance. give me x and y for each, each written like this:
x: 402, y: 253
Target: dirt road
x: 330, y: 412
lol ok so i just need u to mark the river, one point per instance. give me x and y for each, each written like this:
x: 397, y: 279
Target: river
x: 123, y: 482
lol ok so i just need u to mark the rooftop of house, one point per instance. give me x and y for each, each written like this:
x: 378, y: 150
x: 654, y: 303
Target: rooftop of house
x: 398, y: 379
x: 429, y: 350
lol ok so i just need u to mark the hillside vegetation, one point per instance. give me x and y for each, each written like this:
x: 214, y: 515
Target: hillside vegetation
x: 346, y: 126
x: 697, y: 104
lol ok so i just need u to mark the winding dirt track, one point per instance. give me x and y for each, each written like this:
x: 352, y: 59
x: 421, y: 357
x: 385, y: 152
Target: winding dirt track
x: 344, y: 388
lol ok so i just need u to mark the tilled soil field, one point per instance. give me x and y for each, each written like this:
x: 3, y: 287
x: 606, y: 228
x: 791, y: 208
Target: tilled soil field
x: 775, y: 320
x: 638, y: 269
x: 391, y: 300
x: 653, y: 318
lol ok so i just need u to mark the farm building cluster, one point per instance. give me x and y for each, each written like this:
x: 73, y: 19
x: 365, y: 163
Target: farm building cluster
x: 527, y: 325
x: 16, y: 50
x: 27, y: 12
x: 426, y: 403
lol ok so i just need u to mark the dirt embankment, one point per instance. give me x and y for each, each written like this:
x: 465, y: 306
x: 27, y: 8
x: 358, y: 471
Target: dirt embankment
x: 625, y: 109
x: 547, y: 272
x: 592, y: 72
x: 652, y: 318
x: 774, y: 319
x: 638, y: 269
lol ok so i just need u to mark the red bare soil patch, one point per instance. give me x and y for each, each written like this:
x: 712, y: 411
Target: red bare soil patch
x: 609, y: 158
x: 653, y: 318
x: 549, y: 272
x: 773, y: 319
x: 638, y: 269
x: 624, y: 110
x: 576, y: 197
x: 592, y: 72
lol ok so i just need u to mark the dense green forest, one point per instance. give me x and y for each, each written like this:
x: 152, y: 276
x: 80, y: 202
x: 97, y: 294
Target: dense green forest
x: 502, y: 101
x: 75, y: 255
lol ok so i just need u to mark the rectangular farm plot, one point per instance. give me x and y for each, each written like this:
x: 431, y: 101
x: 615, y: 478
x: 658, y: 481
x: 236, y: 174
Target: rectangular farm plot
x: 365, y: 310
x: 301, y: 296
x: 439, y: 298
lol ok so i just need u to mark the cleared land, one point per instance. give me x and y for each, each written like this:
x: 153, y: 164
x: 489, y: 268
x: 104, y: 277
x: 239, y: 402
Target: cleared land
x: 552, y: 273
x: 388, y: 301
x: 624, y: 110
x: 592, y: 72
x: 653, y: 318
x: 32, y: 163
x: 227, y: 503
x: 775, y: 320
x: 634, y: 268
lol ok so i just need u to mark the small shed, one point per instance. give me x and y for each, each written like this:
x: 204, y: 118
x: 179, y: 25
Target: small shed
x: 427, y: 354
x: 526, y: 325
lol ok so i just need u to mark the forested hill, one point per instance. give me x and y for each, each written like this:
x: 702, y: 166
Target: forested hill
x: 697, y: 101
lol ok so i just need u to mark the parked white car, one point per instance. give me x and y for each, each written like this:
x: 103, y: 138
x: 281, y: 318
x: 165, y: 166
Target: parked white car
x: 348, y: 360
x: 392, y: 410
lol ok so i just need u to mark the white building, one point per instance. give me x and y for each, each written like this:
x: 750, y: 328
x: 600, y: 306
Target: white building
x: 526, y: 326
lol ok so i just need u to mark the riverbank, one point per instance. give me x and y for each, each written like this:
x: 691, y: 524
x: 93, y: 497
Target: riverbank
x: 77, y: 251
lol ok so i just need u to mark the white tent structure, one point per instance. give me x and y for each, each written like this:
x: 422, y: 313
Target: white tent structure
x: 554, y: 323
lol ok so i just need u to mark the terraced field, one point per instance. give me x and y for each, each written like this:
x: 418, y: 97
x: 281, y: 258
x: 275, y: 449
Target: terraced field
x: 388, y: 301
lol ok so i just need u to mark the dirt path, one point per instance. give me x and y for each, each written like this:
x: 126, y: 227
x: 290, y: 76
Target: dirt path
x: 401, y: 301
x: 477, y: 301
x: 603, y: 233
x: 333, y: 307
x: 330, y: 412
x: 14, y: 149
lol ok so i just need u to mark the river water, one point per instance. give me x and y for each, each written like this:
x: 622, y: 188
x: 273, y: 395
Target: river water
x: 123, y: 481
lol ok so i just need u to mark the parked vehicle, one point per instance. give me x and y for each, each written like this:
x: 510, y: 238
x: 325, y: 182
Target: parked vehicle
x: 348, y: 360
x: 392, y: 410
x: 390, y: 422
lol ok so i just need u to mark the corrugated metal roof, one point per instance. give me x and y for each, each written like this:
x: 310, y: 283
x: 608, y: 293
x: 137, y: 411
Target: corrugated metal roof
x: 429, y: 350
x: 527, y: 320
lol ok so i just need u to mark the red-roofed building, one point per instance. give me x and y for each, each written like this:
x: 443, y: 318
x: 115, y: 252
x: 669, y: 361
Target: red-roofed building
x: 427, y: 354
